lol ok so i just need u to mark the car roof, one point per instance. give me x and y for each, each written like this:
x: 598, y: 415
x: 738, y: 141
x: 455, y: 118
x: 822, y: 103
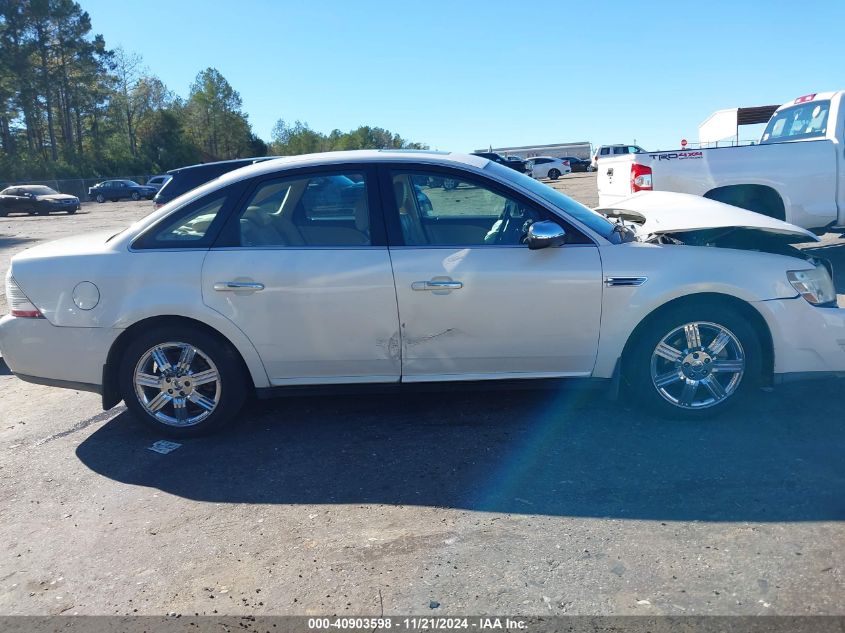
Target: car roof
x: 355, y: 156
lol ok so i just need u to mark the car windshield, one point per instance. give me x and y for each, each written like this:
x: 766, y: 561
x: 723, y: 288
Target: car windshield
x: 576, y: 210
x: 806, y: 120
x: 39, y: 190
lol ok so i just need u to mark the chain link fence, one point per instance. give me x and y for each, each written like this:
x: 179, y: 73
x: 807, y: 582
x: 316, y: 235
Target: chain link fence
x: 74, y: 186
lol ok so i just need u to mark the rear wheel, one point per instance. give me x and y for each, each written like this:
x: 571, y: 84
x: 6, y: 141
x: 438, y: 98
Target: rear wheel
x: 554, y: 174
x: 136, y: 196
x: 182, y: 382
x: 694, y: 361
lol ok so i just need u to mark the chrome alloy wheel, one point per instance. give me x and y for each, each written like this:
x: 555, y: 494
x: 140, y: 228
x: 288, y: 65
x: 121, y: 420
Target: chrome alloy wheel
x: 697, y: 365
x: 177, y: 384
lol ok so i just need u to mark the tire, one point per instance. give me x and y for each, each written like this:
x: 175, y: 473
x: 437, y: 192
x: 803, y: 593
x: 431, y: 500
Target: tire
x: 207, y: 406
x: 100, y: 198
x: 115, y: 199
x: 554, y: 174
x: 673, y: 378
x: 135, y: 196
x: 72, y: 211
x: 590, y: 168
x: 449, y: 184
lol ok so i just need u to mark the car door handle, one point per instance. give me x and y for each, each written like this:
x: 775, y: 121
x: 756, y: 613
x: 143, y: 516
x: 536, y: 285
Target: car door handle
x: 229, y: 286
x: 437, y: 285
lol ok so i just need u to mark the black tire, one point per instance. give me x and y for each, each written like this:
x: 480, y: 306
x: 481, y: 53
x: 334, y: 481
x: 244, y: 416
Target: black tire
x: 449, y: 184
x: 135, y: 196
x: 115, y: 199
x: 637, y: 364
x: 72, y: 211
x: 233, y: 380
x: 554, y: 174
x: 100, y: 198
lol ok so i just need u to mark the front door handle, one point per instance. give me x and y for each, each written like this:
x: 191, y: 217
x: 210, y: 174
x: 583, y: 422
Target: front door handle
x: 233, y: 286
x: 437, y: 284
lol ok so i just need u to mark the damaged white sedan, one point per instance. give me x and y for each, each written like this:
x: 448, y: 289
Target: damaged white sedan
x: 365, y: 267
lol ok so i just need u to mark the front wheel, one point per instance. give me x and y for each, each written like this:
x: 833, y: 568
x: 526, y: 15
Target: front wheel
x: 694, y: 361
x: 182, y: 382
x: 100, y: 198
x: 554, y: 174
x: 590, y: 168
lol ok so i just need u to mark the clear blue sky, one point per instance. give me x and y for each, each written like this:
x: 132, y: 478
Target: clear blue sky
x: 465, y: 74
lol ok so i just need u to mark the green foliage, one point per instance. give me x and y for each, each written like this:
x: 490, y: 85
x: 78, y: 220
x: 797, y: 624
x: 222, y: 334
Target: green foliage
x: 288, y: 140
x: 71, y: 108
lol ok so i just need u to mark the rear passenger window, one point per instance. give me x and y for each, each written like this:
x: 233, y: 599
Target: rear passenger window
x: 325, y: 210
x: 192, y: 227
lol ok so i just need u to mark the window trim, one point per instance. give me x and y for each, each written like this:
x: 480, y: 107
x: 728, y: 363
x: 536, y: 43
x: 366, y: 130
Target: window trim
x: 391, y: 212
x: 229, y: 235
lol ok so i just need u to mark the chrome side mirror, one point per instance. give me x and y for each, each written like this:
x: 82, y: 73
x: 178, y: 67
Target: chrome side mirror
x: 544, y: 234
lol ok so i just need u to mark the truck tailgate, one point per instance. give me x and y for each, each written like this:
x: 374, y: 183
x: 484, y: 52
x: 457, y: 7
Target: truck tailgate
x: 614, y: 178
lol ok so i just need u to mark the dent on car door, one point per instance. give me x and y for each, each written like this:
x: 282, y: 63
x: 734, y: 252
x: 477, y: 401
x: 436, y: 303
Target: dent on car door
x: 302, y: 268
x: 474, y: 301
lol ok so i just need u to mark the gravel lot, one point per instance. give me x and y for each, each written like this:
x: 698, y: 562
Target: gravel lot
x: 524, y: 502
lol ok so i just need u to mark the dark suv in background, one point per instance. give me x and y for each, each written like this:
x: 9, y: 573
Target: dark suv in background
x: 517, y: 164
x: 186, y: 178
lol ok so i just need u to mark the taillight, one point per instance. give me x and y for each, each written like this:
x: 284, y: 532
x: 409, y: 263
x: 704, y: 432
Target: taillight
x: 640, y: 178
x: 19, y: 303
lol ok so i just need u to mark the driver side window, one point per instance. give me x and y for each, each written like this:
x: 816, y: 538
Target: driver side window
x: 437, y: 210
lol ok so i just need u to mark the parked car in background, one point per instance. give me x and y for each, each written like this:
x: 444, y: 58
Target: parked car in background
x: 183, y: 179
x: 158, y: 181
x: 579, y: 164
x: 549, y: 167
x: 115, y: 190
x: 36, y: 200
x: 688, y: 301
x: 606, y: 151
x: 517, y: 164
x: 795, y: 173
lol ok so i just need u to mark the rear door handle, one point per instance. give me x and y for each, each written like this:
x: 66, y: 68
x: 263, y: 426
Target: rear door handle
x: 231, y: 286
x: 437, y: 285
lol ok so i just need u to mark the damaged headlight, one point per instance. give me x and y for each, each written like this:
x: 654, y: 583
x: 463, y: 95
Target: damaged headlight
x: 815, y: 285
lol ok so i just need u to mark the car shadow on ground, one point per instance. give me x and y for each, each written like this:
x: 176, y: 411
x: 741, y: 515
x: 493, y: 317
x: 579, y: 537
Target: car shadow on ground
x: 775, y: 457
x: 7, y: 241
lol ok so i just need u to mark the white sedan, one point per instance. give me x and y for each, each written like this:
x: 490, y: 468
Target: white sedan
x: 549, y: 167
x: 355, y: 267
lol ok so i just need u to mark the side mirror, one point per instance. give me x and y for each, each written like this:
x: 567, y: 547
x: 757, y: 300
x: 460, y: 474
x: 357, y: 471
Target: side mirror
x: 544, y: 234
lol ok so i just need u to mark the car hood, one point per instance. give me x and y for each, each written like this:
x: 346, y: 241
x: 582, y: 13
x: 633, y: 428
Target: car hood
x: 661, y: 212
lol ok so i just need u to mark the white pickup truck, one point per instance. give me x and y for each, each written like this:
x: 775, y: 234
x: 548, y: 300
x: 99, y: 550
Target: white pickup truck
x: 796, y: 172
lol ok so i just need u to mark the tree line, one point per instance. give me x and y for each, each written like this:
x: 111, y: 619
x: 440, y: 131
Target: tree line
x: 72, y: 108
